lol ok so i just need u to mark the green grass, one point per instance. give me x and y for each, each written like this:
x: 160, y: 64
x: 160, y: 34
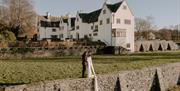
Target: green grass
x: 34, y: 70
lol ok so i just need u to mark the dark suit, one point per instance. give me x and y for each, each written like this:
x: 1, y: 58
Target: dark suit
x: 84, y: 62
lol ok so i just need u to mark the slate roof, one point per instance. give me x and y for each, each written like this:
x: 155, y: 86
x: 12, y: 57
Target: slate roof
x: 93, y: 16
x: 51, y: 18
x: 49, y: 24
x: 114, y: 7
x: 90, y: 17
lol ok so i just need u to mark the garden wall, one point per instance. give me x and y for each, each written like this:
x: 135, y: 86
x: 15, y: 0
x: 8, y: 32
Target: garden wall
x: 155, y: 45
x: 39, y: 52
x: 147, y: 79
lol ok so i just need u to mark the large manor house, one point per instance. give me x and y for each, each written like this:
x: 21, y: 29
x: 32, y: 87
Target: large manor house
x: 112, y: 24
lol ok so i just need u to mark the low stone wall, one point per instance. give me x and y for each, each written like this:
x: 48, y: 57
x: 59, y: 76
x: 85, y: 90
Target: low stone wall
x: 20, y: 53
x: 147, y: 79
x: 155, y: 45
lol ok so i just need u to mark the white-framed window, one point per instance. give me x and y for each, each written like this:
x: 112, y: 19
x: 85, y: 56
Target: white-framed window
x: 118, y: 33
x: 107, y: 20
x: 128, y: 45
x: 53, y: 30
x: 96, y: 27
x: 104, y: 11
x: 127, y: 21
x: 71, y: 36
x: 92, y: 27
x: 113, y: 32
x: 54, y: 36
x: 101, y: 22
x: 77, y: 27
x: 118, y: 21
x: 61, y: 36
x: 95, y: 34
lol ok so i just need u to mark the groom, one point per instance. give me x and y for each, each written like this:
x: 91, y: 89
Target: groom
x: 84, y: 63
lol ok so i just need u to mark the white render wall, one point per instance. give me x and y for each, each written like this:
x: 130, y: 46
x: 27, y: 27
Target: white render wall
x: 64, y: 31
x: 105, y: 29
x: 122, y: 15
x: 47, y: 32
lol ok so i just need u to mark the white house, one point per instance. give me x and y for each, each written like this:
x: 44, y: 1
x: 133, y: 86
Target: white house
x: 50, y: 27
x: 113, y: 24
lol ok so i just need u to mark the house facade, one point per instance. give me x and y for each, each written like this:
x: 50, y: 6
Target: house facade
x: 113, y: 24
x: 54, y: 28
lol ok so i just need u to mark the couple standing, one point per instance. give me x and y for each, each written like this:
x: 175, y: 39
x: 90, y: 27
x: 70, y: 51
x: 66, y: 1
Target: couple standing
x: 87, y: 63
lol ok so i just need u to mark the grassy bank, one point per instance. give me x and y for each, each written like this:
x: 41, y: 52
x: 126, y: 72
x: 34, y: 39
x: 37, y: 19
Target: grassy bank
x: 34, y: 70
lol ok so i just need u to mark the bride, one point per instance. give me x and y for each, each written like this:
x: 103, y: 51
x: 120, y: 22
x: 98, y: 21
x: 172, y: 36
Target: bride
x: 91, y: 72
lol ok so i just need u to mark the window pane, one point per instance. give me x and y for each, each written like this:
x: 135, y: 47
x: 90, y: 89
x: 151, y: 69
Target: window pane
x: 95, y: 34
x: 77, y: 27
x: 107, y: 20
x: 101, y: 22
x: 91, y: 27
x: 128, y: 45
x: 118, y: 21
x: 53, y: 30
x: 96, y: 27
x: 126, y: 21
x: 104, y: 11
x: 114, y: 33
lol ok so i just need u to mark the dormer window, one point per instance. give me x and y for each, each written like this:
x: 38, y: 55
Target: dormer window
x: 124, y: 7
x: 104, y: 11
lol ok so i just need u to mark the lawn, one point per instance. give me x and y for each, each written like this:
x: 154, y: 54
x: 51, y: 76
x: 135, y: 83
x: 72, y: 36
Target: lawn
x: 14, y: 72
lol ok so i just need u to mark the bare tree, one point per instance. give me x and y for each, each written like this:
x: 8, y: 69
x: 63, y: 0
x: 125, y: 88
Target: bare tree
x: 20, y: 16
x: 143, y: 26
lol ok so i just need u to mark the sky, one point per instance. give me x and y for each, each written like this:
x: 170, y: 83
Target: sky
x: 165, y: 12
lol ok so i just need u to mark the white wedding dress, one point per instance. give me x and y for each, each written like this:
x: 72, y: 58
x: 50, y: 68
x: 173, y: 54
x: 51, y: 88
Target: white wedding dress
x: 91, y: 72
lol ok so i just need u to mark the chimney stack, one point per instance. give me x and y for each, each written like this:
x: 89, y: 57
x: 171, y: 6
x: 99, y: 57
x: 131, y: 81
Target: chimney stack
x: 48, y: 15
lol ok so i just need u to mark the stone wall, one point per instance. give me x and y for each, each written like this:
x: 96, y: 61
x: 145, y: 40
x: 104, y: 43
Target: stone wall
x: 147, y: 79
x: 38, y: 52
x: 155, y: 45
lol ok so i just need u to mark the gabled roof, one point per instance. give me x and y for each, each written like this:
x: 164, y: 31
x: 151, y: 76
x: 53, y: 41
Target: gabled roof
x: 49, y: 24
x: 114, y: 7
x: 51, y: 18
x: 90, y: 17
x: 93, y: 16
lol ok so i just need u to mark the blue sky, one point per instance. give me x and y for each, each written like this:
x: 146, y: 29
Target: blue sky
x: 165, y: 12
